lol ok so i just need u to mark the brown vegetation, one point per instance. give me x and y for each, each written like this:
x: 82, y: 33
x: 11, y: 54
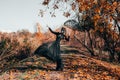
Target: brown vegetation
x: 16, y: 47
x: 98, y: 37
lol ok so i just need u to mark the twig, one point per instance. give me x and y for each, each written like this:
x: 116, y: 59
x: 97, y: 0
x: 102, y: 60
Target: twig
x: 3, y: 53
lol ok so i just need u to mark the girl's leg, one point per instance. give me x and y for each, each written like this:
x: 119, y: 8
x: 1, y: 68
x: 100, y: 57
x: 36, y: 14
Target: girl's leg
x: 59, y: 64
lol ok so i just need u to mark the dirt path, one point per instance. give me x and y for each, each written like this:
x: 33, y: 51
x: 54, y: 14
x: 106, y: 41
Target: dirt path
x: 76, y: 67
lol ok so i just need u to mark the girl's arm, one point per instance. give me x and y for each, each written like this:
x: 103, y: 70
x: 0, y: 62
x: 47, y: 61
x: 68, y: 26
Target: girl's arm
x: 56, y: 33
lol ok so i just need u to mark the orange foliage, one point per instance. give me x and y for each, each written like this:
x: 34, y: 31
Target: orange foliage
x: 103, y: 14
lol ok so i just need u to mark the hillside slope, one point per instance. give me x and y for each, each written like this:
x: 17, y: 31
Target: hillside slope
x: 76, y: 67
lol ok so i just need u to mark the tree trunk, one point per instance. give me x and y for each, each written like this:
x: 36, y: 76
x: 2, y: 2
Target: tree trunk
x: 111, y: 56
x: 85, y: 36
x: 91, y: 44
x: 118, y: 56
x: 92, y: 52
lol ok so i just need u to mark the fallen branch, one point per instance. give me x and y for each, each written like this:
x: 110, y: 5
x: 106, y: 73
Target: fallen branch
x: 90, y: 51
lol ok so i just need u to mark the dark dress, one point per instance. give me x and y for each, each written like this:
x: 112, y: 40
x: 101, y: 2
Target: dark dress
x: 51, y: 50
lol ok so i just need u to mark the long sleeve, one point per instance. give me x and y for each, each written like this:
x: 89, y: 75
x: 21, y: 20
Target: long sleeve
x: 56, y: 33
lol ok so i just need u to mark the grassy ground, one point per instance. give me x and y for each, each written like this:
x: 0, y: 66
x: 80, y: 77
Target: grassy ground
x: 76, y: 67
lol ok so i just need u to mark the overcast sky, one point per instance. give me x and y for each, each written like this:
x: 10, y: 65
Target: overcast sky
x: 23, y: 14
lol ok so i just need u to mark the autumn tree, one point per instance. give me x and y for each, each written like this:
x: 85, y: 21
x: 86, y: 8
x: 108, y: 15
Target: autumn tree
x: 105, y: 14
x: 99, y: 17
